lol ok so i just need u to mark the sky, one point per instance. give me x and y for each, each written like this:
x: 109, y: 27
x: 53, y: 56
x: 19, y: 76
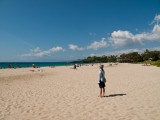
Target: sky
x: 66, y: 30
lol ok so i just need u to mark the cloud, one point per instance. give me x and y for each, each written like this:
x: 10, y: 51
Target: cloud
x: 125, y: 38
x: 156, y: 19
x: 118, y: 38
x: 92, y: 34
x: 98, y: 45
x: 119, y: 52
x: 132, y: 50
x: 37, y: 52
x: 125, y: 51
x: 92, y: 55
x: 154, y: 49
x: 75, y: 47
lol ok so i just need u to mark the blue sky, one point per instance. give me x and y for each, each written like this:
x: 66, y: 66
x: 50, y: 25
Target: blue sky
x: 64, y: 30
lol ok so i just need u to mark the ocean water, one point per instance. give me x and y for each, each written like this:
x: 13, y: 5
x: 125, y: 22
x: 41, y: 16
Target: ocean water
x: 29, y: 64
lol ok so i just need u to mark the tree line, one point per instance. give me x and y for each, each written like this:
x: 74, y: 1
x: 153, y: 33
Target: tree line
x: 129, y: 57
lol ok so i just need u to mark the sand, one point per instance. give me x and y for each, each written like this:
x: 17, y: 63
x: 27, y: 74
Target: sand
x: 62, y: 93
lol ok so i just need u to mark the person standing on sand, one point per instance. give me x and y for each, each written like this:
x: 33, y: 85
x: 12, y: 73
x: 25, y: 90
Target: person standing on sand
x: 75, y: 67
x: 101, y: 81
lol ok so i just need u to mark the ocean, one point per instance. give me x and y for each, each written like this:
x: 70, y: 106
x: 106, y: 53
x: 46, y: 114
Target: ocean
x: 29, y: 64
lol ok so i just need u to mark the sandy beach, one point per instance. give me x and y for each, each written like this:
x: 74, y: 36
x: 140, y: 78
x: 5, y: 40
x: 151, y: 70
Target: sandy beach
x: 62, y: 93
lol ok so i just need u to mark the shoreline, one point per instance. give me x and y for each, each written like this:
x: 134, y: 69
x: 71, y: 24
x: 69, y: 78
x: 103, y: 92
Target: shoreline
x: 15, y: 65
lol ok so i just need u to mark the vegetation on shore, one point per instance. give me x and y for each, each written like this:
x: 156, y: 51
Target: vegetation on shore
x: 155, y: 63
x: 147, y: 57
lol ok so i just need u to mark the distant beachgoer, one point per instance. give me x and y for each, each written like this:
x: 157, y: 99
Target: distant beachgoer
x: 101, y: 81
x: 34, y: 66
x: 75, y: 67
x: 10, y: 66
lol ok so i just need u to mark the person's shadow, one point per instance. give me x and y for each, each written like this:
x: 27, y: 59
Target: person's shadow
x: 115, y: 95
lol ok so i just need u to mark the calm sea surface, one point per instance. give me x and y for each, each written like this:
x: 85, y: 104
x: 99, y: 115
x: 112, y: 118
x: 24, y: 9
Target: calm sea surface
x: 29, y: 64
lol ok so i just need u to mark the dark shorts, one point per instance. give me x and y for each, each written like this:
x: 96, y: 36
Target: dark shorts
x: 102, y: 85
